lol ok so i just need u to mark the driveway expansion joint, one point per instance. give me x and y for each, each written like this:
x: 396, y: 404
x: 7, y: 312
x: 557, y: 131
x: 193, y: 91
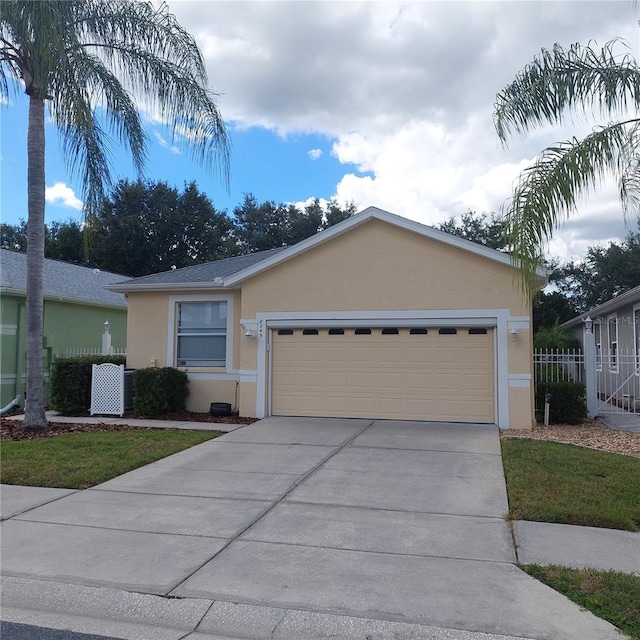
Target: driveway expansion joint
x: 276, y: 502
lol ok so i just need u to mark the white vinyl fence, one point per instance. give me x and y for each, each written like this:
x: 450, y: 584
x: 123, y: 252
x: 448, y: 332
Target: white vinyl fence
x: 616, y: 376
x: 92, y: 351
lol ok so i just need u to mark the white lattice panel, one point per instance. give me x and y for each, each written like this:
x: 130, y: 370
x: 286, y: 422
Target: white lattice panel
x: 107, y: 389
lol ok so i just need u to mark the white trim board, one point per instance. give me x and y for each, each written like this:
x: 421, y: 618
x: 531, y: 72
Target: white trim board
x: 495, y: 318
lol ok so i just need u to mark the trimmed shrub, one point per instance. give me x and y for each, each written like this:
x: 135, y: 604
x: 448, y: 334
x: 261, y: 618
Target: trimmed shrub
x: 71, y: 382
x: 568, y: 401
x: 159, y: 390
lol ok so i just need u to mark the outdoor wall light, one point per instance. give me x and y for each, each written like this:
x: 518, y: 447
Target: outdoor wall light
x: 588, y: 324
x: 513, y: 333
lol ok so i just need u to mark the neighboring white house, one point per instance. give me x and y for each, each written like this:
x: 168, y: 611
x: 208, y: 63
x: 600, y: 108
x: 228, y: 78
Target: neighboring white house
x: 616, y: 334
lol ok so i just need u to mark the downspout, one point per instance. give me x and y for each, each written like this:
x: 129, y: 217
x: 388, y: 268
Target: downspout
x: 19, y: 356
x: 14, y: 403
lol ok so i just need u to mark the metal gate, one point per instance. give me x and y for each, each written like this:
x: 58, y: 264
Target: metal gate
x: 618, y: 383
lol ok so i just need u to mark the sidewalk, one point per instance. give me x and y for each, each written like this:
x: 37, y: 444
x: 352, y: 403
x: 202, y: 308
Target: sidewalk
x: 53, y: 416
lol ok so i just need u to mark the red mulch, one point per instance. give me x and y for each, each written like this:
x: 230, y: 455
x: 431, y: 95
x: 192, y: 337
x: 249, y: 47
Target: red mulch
x: 10, y: 428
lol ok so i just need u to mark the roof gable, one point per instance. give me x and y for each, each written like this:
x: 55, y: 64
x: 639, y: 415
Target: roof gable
x: 231, y: 272
x: 356, y: 221
x: 61, y: 280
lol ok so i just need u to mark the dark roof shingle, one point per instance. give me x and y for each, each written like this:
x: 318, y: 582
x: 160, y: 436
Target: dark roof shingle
x: 61, y: 280
x: 204, y: 273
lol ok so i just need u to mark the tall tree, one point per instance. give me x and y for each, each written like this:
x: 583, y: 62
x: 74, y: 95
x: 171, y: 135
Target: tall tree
x: 267, y: 225
x: 605, y: 272
x: 148, y: 227
x: 583, y: 80
x: 486, y: 229
x: 14, y: 237
x: 88, y: 61
x: 65, y: 241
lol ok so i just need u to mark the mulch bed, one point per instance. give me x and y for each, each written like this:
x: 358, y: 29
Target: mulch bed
x: 10, y: 428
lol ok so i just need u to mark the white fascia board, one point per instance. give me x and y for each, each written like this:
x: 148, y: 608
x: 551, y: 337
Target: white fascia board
x: 174, y: 287
x: 420, y: 317
x: 357, y: 220
x: 69, y: 300
x: 622, y: 300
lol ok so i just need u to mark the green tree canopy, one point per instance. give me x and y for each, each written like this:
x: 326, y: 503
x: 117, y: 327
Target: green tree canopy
x: 585, y: 81
x: 148, y: 227
x: 605, y: 272
x: 267, y: 225
x: 485, y: 229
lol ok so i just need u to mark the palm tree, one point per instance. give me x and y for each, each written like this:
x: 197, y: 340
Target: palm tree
x: 583, y: 80
x: 89, y: 61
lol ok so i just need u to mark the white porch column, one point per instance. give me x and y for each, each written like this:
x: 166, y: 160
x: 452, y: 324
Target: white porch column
x: 590, y: 368
x: 107, y: 349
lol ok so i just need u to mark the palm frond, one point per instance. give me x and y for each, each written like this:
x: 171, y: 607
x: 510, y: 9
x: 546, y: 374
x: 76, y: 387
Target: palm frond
x: 98, y: 62
x: 559, y: 80
x: 549, y: 190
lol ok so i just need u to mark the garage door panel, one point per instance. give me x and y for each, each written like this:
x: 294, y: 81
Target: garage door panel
x: 429, y: 376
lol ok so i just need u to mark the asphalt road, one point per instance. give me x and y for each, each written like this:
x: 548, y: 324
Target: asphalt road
x: 14, y: 631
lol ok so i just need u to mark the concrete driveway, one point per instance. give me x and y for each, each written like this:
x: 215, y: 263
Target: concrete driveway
x: 295, y: 528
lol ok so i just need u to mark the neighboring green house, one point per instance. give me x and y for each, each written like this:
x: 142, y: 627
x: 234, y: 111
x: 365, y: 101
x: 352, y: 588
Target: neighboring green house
x: 76, y: 306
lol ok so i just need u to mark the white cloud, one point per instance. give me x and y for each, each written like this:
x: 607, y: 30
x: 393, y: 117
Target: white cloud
x: 163, y: 143
x: 406, y: 91
x: 61, y: 194
x: 314, y: 154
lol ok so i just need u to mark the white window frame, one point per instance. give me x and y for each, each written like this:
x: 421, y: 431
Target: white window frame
x: 612, y: 342
x: 597, y: 335
x: 172, y: 335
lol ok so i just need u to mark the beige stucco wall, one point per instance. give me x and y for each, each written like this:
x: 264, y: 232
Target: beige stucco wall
x: 378, y: 266
x: 520, y: 408
x: 147, y: 328
x: 203, y: 392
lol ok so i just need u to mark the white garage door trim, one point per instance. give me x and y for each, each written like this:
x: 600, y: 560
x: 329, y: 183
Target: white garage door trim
x: 500, y: 319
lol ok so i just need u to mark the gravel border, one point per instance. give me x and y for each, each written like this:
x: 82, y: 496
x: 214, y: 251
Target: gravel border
x: 590, y: 433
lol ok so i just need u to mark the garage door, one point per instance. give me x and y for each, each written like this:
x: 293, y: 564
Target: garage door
x: 444, y: 374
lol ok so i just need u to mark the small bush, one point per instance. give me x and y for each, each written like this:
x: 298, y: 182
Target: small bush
x: 157, y: 391
x: 568, y: 401
x: 71, y: 382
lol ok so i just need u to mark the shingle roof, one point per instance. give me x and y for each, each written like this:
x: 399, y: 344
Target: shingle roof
x: 202, y: 273
x: 60, y: 280
x: 612, y: 304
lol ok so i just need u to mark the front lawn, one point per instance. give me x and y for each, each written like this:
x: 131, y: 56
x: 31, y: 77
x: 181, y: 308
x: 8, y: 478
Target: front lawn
x: 554, y: 482
x: 81, y: 460
x: 610, y: 595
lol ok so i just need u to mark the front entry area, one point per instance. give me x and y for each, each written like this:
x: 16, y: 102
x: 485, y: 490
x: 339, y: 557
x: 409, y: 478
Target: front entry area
x: 404, y: 373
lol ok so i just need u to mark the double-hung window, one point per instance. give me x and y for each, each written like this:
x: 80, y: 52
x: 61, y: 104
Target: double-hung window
x: 597, y: 334
x: 201, y: 332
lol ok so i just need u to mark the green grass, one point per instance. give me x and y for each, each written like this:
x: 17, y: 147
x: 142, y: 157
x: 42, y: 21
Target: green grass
x: 554, y: 482
x: 81, y: 460
x: 610, y: 595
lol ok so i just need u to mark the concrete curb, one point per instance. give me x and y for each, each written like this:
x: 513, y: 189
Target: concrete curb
x: 136, y: 616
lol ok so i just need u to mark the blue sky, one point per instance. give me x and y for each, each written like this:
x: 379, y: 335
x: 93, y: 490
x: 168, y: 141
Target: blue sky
x: 290, y: 168
x: 394, y: 99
